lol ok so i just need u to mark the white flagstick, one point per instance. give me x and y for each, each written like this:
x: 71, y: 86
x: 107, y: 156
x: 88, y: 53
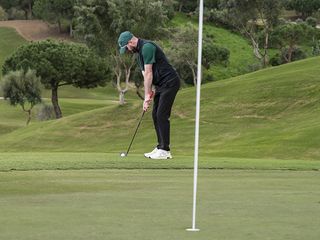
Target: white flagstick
x: 196, y: 146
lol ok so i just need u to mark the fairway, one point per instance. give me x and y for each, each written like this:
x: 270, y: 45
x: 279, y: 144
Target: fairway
x: 156, y: 204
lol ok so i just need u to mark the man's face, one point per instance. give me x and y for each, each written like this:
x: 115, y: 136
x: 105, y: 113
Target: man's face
x: 131, y: 47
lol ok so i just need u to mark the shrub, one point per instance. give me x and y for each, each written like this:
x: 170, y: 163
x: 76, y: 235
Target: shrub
x: 45, y: 112
x: 3, y: 14
x: 279, y: 59
x: 16, y: 14
x: 316, y: 48
x: 311, y: 21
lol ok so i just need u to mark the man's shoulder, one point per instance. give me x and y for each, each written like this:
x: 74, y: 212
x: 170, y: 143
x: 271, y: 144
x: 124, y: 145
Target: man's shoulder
x: 148, y: 47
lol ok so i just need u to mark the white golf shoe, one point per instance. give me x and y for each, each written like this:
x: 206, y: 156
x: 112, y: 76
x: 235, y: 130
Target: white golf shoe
x: 161, y: 154
x: 147, y: 155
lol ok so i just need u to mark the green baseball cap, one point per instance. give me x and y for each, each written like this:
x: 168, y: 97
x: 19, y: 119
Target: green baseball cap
x: 123, y: 40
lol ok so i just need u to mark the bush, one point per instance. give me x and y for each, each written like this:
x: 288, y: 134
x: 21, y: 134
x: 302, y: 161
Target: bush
x: 311, y: 21
x: 45, y: 112
x: 254, y: 67
x: 208, y: 77
x: 3, y: 14
x: 16, y: 14
x: 218, y: 17
x: 316, y: 48
x: 214, y: 54
x: 279, y: 59
x: 299, y: 21
x: 276, y: 60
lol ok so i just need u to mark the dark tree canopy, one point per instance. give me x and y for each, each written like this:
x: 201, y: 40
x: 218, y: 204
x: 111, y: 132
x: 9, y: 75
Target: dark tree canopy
x: 59, y: 64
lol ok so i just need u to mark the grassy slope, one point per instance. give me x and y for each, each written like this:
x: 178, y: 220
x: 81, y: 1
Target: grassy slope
x: 9, y: 41
x: 271, y: 113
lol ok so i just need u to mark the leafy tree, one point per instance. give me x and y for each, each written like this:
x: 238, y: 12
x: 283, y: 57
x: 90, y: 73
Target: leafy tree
x: 3, y: 14
x: 287, y: 37
x: 59, y: 64
x: 187, y: 6
x: 304, y: 7
x: 253, y: 18
x: 22, y: 88
x: 55, y: 11
x: 311, y: 21
x: 184, y: 53
x: 99, y: 24
x: 24, y: 5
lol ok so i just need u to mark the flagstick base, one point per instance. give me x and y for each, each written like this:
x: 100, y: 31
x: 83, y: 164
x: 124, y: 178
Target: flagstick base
x: 193, y: 229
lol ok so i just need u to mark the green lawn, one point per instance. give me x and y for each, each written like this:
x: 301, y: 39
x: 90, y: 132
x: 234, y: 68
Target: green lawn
x: 26, y: 161
x: 157, y: 204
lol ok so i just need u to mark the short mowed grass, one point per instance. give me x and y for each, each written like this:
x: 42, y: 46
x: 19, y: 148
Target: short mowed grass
x: 157, y: 204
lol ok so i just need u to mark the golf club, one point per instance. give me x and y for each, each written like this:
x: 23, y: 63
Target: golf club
x: 124, y: 154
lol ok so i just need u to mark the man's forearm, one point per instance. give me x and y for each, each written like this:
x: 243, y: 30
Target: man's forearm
x: 147, y: 84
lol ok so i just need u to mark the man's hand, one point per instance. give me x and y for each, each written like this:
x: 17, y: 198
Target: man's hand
x: 147, y: 101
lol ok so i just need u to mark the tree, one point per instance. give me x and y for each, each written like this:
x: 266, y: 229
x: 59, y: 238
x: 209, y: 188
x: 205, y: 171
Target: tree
x: 286, y: 37
x: 59, y: 64
x: 24, y: 5
x: 99, y: 24
x: 187, y: 6
x: 253, y: 18
x: 22, y: 88
x: 55, y: 11
x: 3, y: 14
x: 304, y: 7
x: 184, y: 52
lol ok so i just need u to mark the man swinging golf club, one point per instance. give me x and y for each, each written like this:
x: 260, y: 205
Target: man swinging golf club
x: 157, y: 71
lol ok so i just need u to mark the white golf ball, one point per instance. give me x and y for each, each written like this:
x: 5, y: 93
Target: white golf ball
x: 122, y: 154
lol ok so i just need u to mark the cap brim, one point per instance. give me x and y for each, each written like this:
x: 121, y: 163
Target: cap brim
x: 123, y: 50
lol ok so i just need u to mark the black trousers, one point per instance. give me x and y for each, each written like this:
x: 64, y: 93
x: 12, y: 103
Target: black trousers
x: 163, y: 101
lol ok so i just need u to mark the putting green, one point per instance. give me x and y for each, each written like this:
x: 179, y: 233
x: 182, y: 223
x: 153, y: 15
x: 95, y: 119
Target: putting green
x: 156, y: 204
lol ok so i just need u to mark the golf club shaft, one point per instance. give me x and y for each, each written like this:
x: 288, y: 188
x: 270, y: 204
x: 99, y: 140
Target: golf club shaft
x: 135, y: 132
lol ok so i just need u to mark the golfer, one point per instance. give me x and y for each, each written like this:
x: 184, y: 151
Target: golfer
x: 157, y: 71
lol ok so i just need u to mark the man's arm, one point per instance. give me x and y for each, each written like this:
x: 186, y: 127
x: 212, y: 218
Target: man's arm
x: 148, y: 94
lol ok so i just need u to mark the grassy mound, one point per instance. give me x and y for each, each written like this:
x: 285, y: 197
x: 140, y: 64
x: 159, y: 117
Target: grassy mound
x: 271, y: 113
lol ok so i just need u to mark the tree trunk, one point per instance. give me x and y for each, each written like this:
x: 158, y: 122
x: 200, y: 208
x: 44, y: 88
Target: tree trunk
x: 71, y: 30
x: 59, y: 25
x: 29, y: 116
x: 265, y: 53
x: 121, y: 97
x: 54, y: 100
x: 30, y: 9
x: 290, y: 50
x: 180, y: 7
x: 194, y: 77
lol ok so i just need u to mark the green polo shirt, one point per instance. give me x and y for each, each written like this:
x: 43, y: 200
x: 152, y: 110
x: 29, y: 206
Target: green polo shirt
x: 148, y: 54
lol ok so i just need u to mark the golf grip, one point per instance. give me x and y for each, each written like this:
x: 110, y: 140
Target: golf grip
x: 135, y: 132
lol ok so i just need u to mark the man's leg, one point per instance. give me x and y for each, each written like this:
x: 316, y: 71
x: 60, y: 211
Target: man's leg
x: 154, y: 115
x: 163, y: 112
